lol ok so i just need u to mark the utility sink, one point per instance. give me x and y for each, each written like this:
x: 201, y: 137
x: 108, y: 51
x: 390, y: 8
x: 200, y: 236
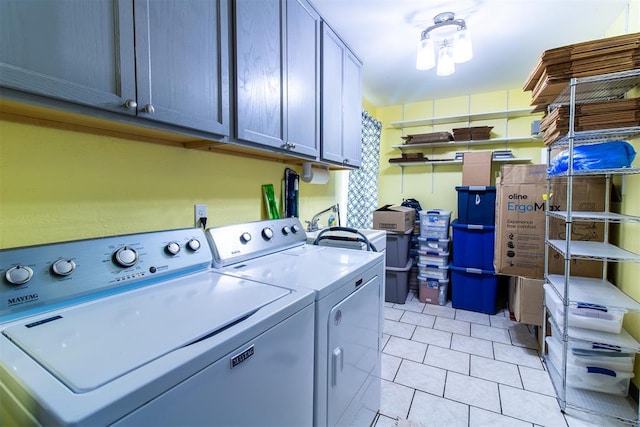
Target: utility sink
x: 378, y: 238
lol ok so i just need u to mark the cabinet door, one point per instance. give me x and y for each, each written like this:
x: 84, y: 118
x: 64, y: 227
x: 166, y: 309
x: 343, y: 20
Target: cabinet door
x: 182, y: 62
x: 303, y: 77
x: 74, y: 50
x: 258, y: 76
x: 352, y: 111
x: 332, y: 81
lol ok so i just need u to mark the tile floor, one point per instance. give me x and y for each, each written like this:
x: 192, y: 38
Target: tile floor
x: 447, y: 367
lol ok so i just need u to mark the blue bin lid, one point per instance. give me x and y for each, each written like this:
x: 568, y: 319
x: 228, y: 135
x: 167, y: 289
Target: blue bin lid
x: 456, y: 224
x: 472, y: 270
x: 476, y: 188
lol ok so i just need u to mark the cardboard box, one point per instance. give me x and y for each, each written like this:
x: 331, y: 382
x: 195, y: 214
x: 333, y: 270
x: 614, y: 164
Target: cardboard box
x: 394, y: 218
x: 520, y: 221
x: 476, y: 168
x: 525, y: 300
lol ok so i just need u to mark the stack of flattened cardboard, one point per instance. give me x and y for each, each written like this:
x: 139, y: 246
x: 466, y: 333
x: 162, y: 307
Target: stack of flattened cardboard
x: 409, y: 157
x: 557, y: 66
x: 424, y: 138
x: 617, y: 113
x: 478, y: 133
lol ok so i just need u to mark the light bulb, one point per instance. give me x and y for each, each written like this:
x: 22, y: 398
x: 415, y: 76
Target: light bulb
x: 446, y: 66
x: 462, y: 51
x: 425, y: 59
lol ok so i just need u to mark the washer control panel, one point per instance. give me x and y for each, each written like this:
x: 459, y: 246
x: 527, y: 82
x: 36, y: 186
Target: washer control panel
x: 37, y: 276
x: 239, y: 242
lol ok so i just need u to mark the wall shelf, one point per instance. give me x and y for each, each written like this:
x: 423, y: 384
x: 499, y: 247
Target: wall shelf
x: 490, y: 115
x: 457, y: 162
x: 493, y: 141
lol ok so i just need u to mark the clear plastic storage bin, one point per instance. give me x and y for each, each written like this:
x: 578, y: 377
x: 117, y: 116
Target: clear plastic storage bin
x: 434, y: 221
x: 580, y: 357
x: 584, y: 315
x: 428, y: 243
x: 595, y: 378
x: 433, y: 271
x: 433, y: 257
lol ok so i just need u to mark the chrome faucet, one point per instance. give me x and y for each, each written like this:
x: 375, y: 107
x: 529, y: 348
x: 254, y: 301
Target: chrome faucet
x: 313, y: 224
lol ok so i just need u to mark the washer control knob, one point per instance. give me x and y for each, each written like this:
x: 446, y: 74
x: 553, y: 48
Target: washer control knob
x: 63, y: 267
x: 172, y: 248
x: 125, y: 256
x: 245, y: 237
x: 286, y: 230
x: 19, y: 274
x: 193, y: 244
x: 267, y: 233
x: 295, y: 228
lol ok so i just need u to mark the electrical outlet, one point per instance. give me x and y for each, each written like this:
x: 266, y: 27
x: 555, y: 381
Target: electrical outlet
x: 199, y: 211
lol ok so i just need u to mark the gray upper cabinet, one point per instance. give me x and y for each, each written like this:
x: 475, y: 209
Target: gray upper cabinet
x: 341, y: 102
x: 277, y: 75
x: 74, y: 50
x: 168, y: 64
x: 182, y: 62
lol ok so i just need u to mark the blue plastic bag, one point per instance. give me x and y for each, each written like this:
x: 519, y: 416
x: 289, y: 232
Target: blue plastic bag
x: 607, y: 155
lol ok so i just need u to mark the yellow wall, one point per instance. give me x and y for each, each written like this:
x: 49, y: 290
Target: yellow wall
x: 434, y: 186
x: 58, y: 185
x: 626, y: 275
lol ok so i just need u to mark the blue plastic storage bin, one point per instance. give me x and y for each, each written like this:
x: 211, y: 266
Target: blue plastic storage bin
x: 477, y: 205
x: 473, y: 289
x: 473, y: 245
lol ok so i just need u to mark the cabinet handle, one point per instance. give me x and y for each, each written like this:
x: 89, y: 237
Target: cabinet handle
x: 149, y: 109
x: 130, y: 104
x: 346, y: 161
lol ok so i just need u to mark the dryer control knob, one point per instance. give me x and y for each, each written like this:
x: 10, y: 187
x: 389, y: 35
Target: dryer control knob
x: 172, y: 248
x: 245, y: 237
x: 63, y: 267
x: 295, y: 228
x: 193, y: 244
x: 125, y: 256
x: 267, y: 233
x: 286, y: 230
x: 19, y: 274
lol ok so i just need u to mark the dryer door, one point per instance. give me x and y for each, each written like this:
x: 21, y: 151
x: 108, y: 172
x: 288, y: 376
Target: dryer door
x: 354, y: 356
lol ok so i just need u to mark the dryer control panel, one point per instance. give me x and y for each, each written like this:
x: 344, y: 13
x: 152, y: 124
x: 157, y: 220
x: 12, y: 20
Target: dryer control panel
x: 37, y: 278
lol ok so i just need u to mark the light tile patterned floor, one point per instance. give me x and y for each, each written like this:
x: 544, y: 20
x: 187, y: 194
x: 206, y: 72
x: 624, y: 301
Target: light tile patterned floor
x: 447, y: 367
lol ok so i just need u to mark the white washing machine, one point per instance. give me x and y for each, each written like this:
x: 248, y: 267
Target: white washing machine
x: 349, y: 296
x: 138, y: 330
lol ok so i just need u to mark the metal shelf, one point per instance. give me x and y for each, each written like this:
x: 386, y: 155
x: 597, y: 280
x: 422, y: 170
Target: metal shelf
x: 624, y: 340
x: 599, y: 88
x: 493, y: 141
x: 599, y: 172
x: 590, y: 290
x: 598, y: 136
x: 598, y: 251
x: 572, y: 289
x: 623, y: 408
x: 609, y: 217
x: 490, y: 115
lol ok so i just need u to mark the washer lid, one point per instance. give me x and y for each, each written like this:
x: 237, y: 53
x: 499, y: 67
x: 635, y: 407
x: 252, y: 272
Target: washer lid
x: 88, y: 346
x: 320, y: 268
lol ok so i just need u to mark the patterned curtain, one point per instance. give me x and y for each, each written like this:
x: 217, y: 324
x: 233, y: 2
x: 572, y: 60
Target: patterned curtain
x: 362, y: 194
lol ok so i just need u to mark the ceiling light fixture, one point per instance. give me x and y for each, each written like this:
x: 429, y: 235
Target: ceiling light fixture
x: 452, y: 48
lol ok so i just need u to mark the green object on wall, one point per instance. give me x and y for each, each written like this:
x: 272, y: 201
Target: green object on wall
x: 270, y: 201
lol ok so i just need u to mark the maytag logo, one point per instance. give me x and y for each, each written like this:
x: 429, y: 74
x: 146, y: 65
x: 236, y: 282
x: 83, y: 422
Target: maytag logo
x: 23, y: 299
x: 238, y: 359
